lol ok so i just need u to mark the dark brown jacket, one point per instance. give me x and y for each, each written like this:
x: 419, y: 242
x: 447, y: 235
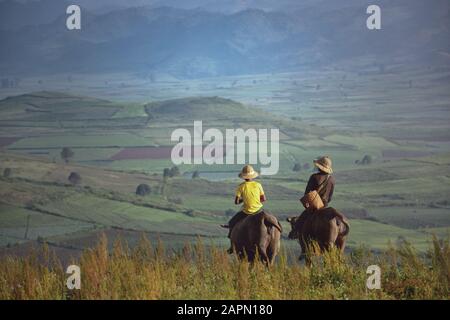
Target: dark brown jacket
x: 327, y: 190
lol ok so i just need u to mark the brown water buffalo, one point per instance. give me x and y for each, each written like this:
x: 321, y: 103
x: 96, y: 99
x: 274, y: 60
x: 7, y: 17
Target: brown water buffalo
x: 259, y: 233
x: 326, y: 226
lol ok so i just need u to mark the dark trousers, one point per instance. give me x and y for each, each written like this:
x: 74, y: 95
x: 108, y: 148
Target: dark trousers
x: 236, y: 218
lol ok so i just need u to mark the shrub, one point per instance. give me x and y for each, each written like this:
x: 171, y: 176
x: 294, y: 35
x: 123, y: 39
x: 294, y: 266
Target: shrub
x: 174, y: 171
x: 7, y: 172
x: 74, y: 178
x: 166, y: 173
x: 190, y: 213
x: 367, y: 159
x: 143, y: 189
x: 195, y: 174
x: 66, y: 154
x: 297, y: 167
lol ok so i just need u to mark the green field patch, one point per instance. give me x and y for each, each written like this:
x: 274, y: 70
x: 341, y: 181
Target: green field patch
x: 13, y: 224
x: 126, y: 215
x: 413, y: 217
x: 441, y: 232
x: 361, y: 142
x: 80, y: 141
x: 377, y: 235
x: 406, y: 187
x: 313, y: 142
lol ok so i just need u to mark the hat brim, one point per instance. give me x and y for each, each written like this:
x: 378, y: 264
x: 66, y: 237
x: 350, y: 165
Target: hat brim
x: 253, y: 175
x: 323, y: 168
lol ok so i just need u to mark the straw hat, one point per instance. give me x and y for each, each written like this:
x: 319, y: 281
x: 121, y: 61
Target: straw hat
x: 248, y: 172
x: 324, y: 164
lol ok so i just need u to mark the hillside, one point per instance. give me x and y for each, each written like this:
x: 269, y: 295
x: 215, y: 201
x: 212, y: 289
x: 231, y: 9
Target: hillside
x: 54, y: 106
x: 118, y: 145
x: 204, y: 108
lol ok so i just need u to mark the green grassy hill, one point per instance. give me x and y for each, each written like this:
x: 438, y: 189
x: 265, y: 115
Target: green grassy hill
x: 200, y: 108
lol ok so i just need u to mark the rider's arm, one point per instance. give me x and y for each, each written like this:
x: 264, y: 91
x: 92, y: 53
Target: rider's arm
x: 312, y: 185
x: 262, y: 198
x: 331, y: 190
x: 238, y: 200
x: 262, y: 194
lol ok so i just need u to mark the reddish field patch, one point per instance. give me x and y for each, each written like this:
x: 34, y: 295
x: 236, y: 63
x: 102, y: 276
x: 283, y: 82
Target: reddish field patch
x: 152, y: 153
x: 5, y: 141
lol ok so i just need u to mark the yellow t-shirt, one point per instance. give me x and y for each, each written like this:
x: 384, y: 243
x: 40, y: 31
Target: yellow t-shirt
x: 250, y: 192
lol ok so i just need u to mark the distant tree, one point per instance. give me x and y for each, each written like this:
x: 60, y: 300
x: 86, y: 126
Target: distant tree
x: 367, y: 159
x: 66, y: 154
x: 318, y: 87
x: 190, y: 213
x: 166, y: 173
x: 7, y: 172
x: 297, y: 167
x: 143, y: 189
x: 74, y: 178
x: 174, y: 171
x: 195, y: 174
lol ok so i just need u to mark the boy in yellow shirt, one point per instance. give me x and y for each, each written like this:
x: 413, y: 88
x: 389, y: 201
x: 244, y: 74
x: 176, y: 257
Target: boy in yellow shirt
x: 251, y: 194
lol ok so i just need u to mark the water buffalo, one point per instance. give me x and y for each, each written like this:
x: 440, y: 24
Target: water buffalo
x: 326, y: 226
x: 259, y: 233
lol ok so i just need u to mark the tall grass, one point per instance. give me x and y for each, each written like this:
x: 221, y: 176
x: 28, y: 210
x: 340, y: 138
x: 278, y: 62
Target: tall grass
x: 200, y: 272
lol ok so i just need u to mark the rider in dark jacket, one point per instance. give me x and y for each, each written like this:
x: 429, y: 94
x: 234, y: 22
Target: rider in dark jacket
x: 324, y: 166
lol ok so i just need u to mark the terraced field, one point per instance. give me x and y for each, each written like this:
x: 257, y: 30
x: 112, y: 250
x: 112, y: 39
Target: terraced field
x: 400, y: 192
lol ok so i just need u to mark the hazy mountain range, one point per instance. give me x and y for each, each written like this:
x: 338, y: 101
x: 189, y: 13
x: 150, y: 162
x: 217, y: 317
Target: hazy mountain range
x: 198, y: 38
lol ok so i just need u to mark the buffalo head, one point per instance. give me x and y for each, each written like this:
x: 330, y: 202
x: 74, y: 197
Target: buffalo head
x: 293, y: 234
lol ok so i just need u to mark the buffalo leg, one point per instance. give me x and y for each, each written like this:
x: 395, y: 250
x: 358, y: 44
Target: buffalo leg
x: 272, y: 251
x: 340, y: 243
x: 262, y: 254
